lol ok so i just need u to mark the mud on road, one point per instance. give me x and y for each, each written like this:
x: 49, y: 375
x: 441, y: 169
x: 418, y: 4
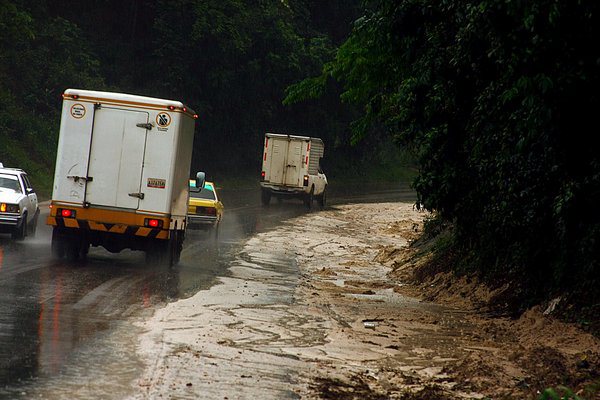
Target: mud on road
x: 323, y: 308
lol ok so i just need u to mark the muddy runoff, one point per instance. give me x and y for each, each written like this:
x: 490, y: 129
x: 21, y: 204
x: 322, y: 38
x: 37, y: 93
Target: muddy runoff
x: 323, y: 307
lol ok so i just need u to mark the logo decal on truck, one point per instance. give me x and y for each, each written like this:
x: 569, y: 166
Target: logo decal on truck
x: 163, y: 120
x: 157, y: 183
x: 77, y: 111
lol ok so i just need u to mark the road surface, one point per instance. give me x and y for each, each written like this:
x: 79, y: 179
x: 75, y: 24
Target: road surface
x: 63, y: 324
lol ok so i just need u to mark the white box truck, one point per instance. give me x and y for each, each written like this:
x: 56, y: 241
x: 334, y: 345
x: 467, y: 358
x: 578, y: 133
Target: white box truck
x: 122, y: 173
x: 291, y: 167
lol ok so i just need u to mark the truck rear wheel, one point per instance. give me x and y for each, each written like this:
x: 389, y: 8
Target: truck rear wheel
x: 166, y: 252
x: 57, y: 245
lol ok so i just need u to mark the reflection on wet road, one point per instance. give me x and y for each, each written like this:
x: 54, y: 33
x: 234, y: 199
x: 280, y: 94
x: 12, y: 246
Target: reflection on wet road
x: 67, y: 330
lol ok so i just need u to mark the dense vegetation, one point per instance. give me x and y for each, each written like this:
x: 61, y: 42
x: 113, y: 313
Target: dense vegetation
x: 229, y: 60
x: 498, y: 98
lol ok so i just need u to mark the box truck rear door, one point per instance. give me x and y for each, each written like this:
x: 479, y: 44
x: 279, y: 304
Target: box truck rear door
x: 293, y: 173
x: 116, y: 157
x: 278, y: 153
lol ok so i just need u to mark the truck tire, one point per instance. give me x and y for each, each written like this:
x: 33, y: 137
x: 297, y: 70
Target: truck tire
x: 309, y: 199
x: 72, y: 247
x: 265, y: 197
x: 165, y: 252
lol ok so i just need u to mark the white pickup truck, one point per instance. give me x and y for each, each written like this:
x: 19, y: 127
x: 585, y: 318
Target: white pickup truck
x: 291, y: 167
x: 19, y: 210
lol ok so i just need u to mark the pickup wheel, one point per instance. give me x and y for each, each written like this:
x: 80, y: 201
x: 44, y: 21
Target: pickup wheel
x: 265, y: 197
x: 309, y: 199
x: 33, y: 224
x: 322, y: 199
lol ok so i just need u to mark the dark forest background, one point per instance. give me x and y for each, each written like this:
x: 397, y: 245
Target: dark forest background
x: 229, y: 60
x: 495, y: 101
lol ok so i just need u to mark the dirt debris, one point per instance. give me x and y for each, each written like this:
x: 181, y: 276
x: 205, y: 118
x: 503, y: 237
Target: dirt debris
x: 327, y: 307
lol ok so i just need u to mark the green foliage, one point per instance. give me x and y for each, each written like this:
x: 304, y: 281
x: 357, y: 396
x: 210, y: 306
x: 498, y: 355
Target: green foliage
x: 563, y: 393
x: 496, y: 98
x: 40, y: 58
x: 230, y: 60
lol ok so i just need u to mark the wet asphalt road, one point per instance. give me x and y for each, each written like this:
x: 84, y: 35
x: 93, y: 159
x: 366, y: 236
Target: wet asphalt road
x: 61, y: 323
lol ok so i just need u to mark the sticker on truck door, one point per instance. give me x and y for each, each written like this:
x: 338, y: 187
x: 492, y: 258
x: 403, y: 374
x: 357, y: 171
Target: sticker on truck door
x: 157, y: 183
x: 163, y: 120
x: 78, y: 111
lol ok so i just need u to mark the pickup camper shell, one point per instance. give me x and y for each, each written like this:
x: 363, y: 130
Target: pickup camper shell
x: 291, y: 167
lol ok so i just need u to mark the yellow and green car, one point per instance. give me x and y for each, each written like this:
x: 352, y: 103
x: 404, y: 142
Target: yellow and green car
x: 204, y: 208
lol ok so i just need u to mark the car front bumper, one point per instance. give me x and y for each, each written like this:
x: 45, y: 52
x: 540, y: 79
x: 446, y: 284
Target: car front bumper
x: 8, y: 222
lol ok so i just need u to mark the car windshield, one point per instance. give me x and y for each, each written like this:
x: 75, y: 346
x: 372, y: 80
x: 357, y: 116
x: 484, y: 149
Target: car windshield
x: 9, y: 182
x: 204, y: 193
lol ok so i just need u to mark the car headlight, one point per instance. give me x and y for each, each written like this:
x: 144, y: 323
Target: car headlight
x: 9, y: 208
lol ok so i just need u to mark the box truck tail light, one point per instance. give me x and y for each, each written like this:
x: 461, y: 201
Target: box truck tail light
x: 262, y: 175
x: 171, y: 108
x: 65, y: 213
x: 153, y: 223
x: 195, y: 116
x: 305, y: 180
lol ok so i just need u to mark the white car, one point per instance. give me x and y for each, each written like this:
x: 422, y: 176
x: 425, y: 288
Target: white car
x: 19, y: 210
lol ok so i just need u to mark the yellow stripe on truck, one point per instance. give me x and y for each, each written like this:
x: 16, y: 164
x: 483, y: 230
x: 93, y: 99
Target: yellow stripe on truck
x: 71, y: 223
x: 143, y: 231
x: 95, y: 226
x: 118, y: 229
